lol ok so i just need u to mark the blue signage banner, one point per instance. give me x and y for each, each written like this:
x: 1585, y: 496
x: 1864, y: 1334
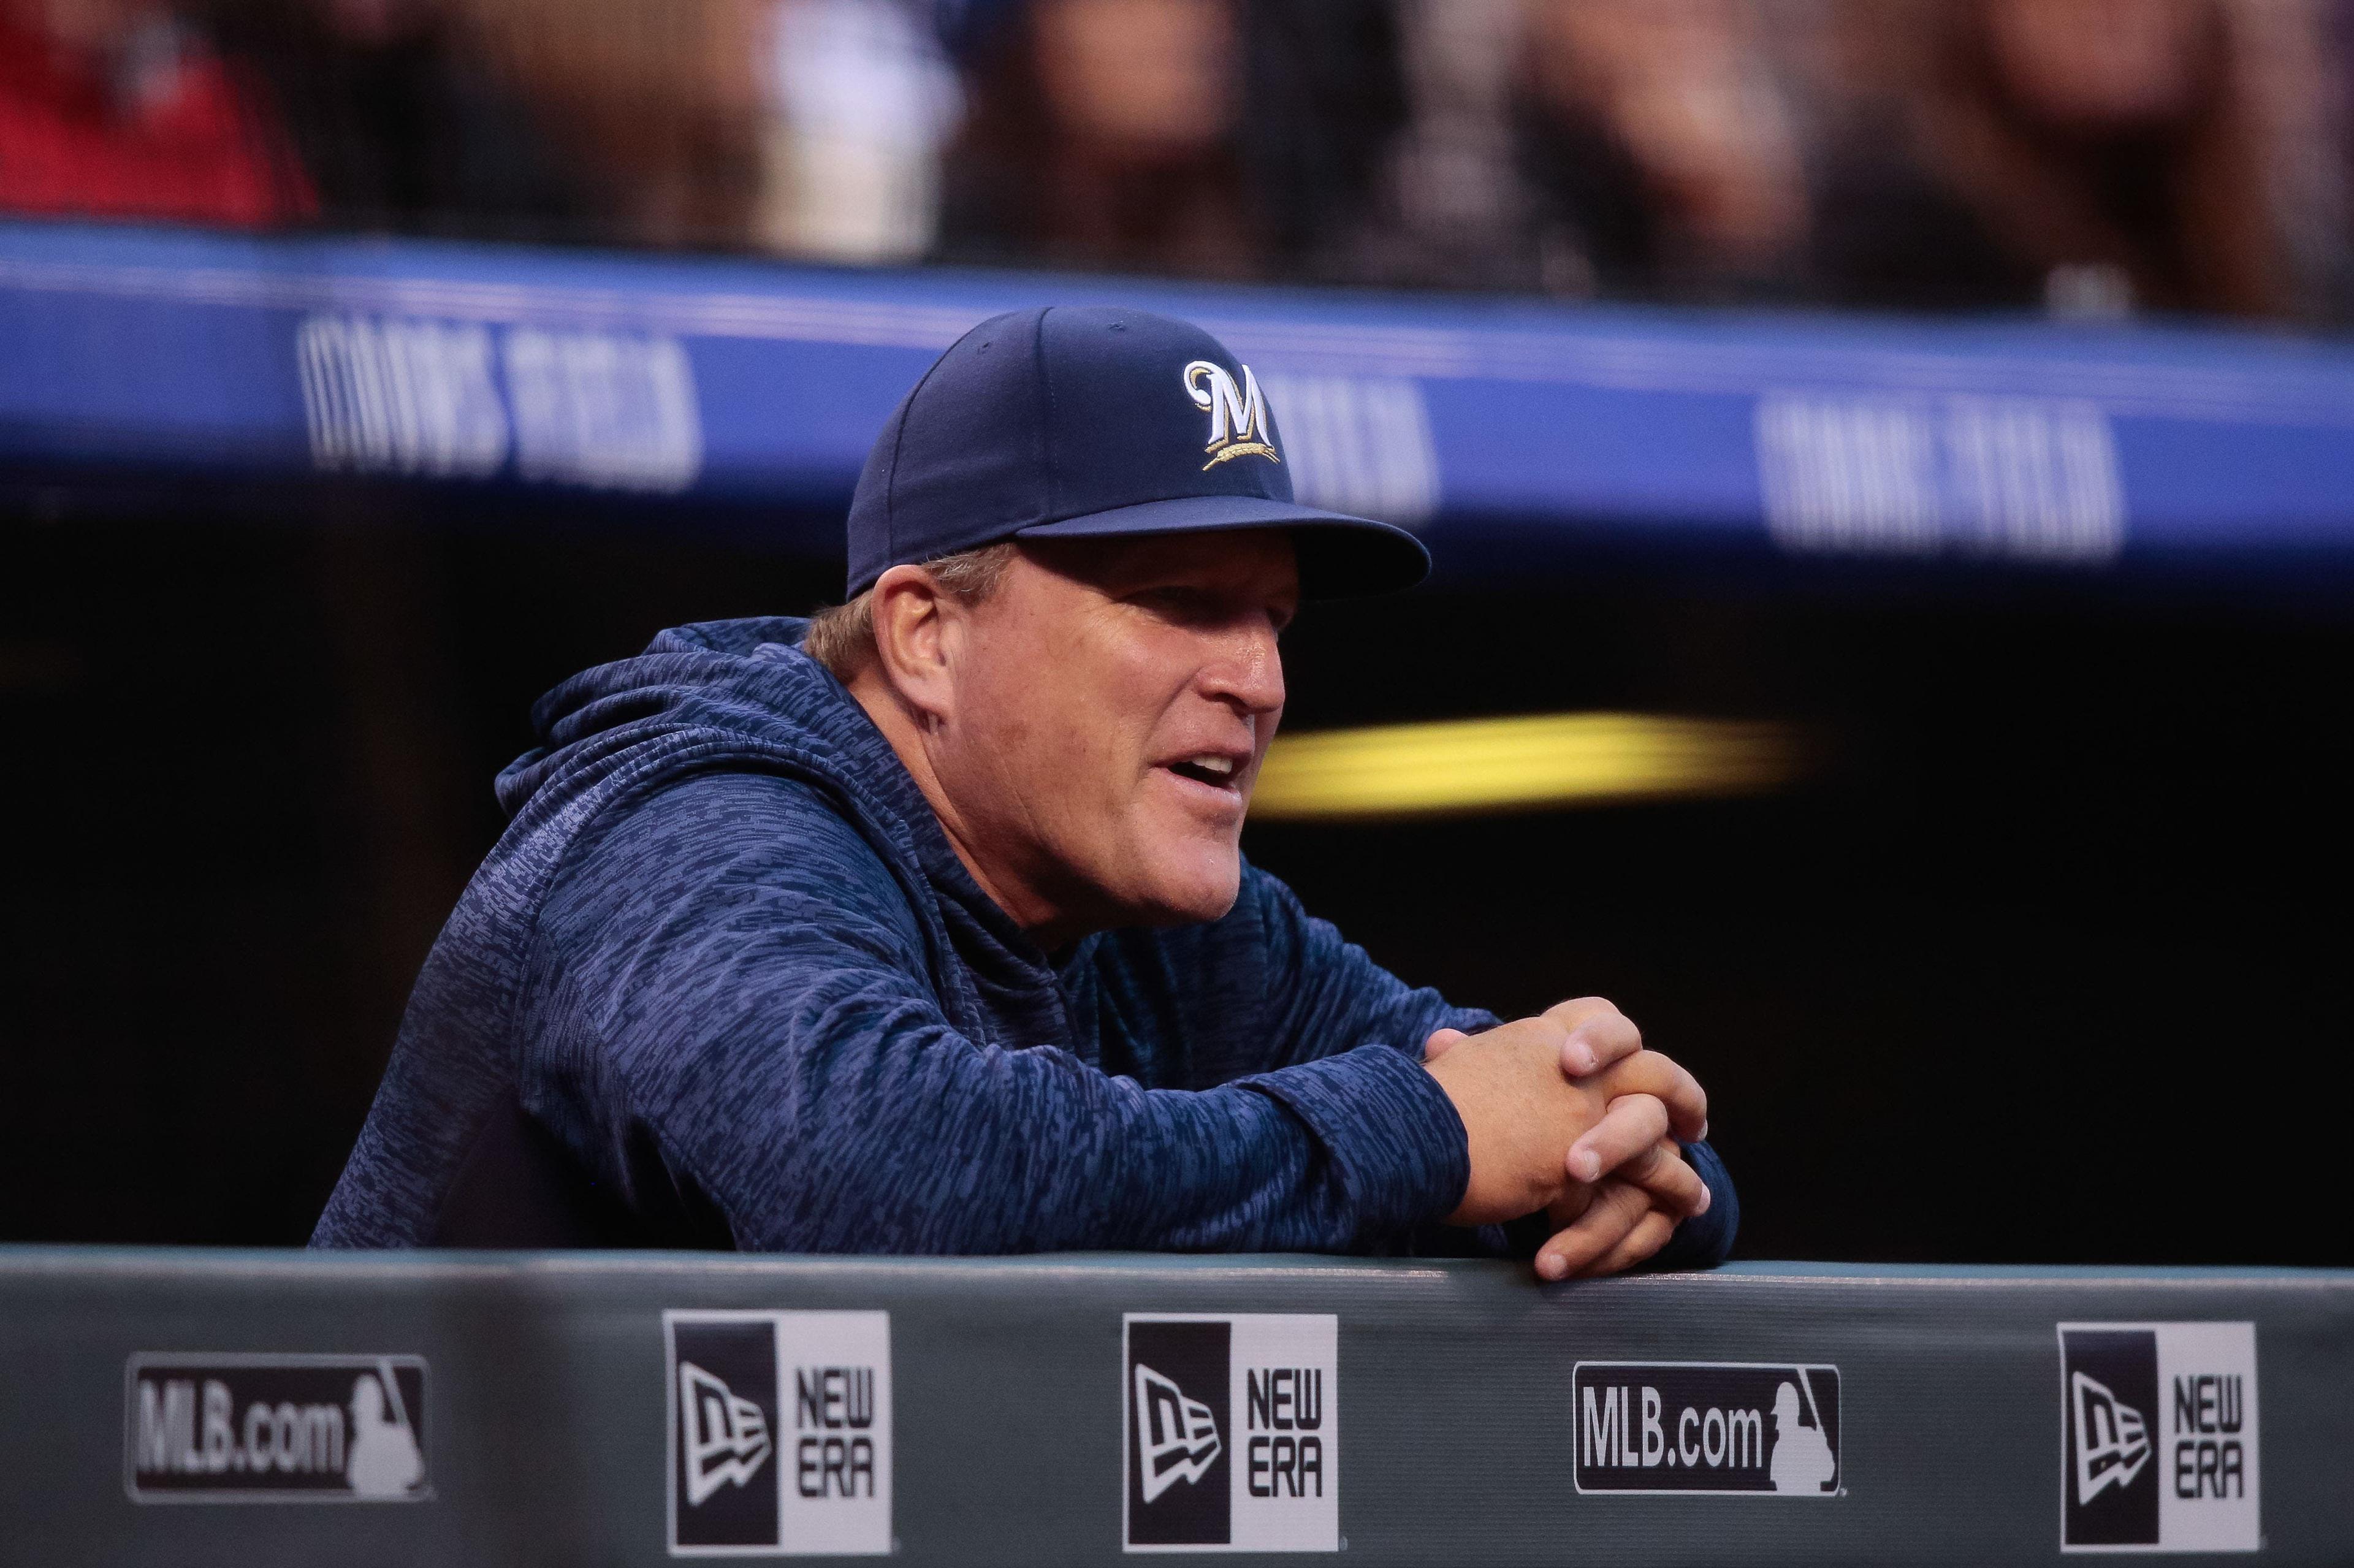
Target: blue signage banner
x: 1516, y: 435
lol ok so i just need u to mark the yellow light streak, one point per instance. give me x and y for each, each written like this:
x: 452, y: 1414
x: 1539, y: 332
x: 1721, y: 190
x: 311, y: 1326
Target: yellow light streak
x: 1546, y: 759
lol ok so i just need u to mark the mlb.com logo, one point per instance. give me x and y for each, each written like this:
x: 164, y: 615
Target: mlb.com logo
x: 1233, y: 1432
x: 1711, y: 1428
x: 2158, y: 1431
x: 292, y: 1427
x: 779, y: 1433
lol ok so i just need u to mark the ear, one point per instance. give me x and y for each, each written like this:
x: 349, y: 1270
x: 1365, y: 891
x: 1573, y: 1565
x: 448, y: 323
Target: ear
x: 913, y: 640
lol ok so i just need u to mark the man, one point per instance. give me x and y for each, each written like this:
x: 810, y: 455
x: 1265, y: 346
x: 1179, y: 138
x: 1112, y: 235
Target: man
x: 923, y: 927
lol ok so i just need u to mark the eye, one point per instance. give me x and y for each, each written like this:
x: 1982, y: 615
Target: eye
x: 1199, y: 606
x: 1176, y: 603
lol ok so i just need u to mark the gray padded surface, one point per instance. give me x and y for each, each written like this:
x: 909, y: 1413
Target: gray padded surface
x: 544, y: 1410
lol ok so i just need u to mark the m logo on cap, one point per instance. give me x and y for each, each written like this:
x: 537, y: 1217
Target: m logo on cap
x: 1238, y: 414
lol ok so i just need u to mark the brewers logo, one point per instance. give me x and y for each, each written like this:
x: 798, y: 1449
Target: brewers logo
x: 1238, y: 414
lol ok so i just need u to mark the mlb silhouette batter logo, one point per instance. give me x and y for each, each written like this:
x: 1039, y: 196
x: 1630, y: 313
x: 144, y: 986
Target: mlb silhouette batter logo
x: 1802, y: 1461
x: 384, y: 1459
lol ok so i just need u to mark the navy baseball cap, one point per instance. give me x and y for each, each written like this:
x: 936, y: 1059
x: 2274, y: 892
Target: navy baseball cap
x: 1087, y: 421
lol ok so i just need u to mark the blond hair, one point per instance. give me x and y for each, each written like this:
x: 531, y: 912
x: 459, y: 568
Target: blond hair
x: 842, y: 638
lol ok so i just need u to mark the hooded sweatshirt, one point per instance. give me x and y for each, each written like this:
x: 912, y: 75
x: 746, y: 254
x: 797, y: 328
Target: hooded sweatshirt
x: 726, y: 959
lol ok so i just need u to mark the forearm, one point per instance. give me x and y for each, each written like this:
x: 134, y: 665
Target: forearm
x: 944, y: 1147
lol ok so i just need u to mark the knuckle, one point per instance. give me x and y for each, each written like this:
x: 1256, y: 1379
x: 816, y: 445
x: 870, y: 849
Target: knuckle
x: 1584, y: 1010
x: 1648, y: 1072
x: 1629, y: 1111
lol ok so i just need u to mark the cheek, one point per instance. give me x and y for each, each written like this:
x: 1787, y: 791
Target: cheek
x: 1138, y: 712
x: 1052, y: 739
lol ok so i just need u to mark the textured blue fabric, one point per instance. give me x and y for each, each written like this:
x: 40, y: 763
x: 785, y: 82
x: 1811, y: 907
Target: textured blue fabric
x: 724, y: 951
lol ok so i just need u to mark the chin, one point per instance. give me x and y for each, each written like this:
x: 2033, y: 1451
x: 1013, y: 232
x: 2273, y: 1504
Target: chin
x: 1190, y: 888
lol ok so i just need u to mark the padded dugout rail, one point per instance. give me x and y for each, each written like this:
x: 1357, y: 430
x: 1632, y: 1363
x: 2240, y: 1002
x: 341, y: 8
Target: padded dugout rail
x: 196, y: 1407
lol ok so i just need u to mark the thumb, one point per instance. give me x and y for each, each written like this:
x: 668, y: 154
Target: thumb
x: 1441, y: 1041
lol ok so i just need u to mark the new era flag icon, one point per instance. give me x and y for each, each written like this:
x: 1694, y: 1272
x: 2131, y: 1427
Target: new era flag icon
x: 779, y: 1431
x: 727, y: 1436
x: 2112, y: 1441
x: 2159, y: 1447
x: 1232, y: 1424
x: 1178, y: 1437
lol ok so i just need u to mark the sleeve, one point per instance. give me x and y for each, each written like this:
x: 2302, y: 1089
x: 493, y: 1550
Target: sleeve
x: 1330, y: 995
x: 1326, y: 993
x: 731, y: 969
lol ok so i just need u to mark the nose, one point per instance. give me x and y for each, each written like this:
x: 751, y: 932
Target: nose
x: 1246, y: 671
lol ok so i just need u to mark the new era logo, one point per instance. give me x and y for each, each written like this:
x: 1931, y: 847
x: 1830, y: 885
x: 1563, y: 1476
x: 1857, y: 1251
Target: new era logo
x: 726, y: 1436
x: 2112, y: 1439
x: 1233, y: 1432
x: 1178, y: 1439
x: 779, y: 1433
x: 2158, y: 1438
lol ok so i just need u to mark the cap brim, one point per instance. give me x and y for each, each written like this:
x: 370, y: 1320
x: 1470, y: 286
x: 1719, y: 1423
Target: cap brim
x: 1340, y: 557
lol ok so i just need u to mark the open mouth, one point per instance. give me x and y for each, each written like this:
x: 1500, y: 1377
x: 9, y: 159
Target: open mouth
x: 1218, y: 772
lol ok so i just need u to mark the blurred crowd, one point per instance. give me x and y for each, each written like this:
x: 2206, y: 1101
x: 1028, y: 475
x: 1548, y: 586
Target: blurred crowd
x: 2080, y: 156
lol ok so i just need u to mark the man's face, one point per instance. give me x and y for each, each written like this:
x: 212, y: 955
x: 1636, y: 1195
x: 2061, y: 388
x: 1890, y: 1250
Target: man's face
x: 1113, y: 700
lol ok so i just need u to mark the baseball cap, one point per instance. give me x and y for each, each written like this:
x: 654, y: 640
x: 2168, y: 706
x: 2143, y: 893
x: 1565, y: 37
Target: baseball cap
x: 1088, y: 421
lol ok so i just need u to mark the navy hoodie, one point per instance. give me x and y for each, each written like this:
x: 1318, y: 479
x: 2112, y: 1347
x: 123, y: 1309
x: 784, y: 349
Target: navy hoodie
x: 725, y: 957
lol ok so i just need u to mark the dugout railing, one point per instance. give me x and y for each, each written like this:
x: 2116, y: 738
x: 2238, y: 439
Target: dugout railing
x: 189, y: 1407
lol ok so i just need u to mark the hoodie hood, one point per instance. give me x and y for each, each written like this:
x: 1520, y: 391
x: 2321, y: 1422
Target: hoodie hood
x: 748, y: 678
x: 725, y: 694
x: 734, y: 695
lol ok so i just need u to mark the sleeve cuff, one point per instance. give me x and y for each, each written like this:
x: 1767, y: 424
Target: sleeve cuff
x: 1391, y: 1131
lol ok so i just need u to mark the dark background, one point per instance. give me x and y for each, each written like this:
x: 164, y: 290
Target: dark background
x: 2045, y: 958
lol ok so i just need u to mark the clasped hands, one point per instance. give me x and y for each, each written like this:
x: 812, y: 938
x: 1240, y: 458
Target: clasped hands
x: 1566, y: 1113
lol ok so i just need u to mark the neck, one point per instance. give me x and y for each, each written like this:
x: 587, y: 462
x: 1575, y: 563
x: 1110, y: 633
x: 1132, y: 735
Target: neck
x: 1042, y: 918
